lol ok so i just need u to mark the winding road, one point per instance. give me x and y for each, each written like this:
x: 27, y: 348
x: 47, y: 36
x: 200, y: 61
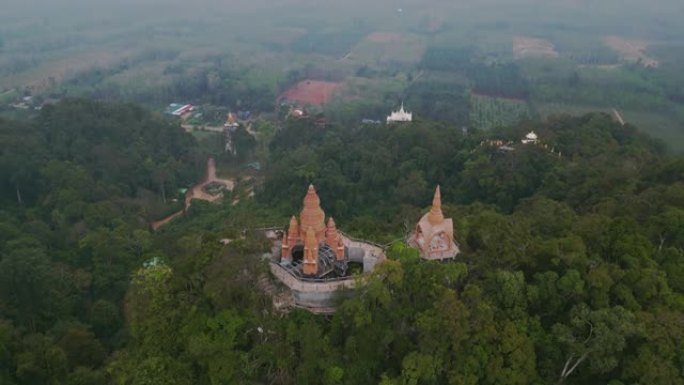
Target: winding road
x: 197, y: 192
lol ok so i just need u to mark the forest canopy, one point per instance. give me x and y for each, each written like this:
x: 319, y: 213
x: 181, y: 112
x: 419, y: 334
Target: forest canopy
x: 571, y: 271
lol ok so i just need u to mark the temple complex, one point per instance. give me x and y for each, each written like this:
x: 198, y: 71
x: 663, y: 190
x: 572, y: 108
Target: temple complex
x: 434, y: 234
x: 312, y: 258
x: 321, y: 247
x: 400, y: 116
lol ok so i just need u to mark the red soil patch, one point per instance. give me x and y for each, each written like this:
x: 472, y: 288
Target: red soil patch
x: 313, y: 92
x: 384, y: 37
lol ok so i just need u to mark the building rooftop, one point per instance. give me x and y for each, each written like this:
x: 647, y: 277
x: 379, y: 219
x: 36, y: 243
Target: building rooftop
x: 400, y: 116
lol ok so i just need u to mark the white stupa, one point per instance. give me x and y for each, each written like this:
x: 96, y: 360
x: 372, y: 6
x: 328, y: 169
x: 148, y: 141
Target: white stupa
x: 531, y: 137
x: 400, y: 116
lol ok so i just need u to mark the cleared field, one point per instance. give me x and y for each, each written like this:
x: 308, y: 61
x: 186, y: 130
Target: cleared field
x: 661, y: 126
x: 280, y: 36
x: 314, y: 92
x: 384, y: 37
x: 386, y: 47
x: 532, y: 47
x: 43, y: 77
x: 631, y: 50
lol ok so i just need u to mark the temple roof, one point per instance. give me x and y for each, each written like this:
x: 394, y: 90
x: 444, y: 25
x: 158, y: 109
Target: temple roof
x: 400, y: 116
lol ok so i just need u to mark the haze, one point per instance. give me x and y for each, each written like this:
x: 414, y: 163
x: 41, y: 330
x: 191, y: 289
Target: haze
x: 155, y: 52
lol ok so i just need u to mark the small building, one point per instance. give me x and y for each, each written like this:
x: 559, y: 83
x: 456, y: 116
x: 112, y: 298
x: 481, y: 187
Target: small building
x: 434, y: 234
x: 530, y: 138
x: 231, y: 121
x: 369, y: 121
x: 176, y: 109
x: 400, y: 116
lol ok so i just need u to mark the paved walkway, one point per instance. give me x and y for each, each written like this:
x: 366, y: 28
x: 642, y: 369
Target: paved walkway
x: 368, y: 248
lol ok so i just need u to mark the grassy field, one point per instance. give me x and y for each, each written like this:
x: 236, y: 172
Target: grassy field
x: 664, y: 127
x: 488, y: 112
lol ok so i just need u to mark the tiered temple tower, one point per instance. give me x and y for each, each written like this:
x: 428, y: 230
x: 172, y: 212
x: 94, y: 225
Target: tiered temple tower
x: 333, y: 240
x: 312, y: 233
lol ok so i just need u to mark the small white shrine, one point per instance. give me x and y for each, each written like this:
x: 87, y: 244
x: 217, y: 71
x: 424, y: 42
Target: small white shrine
x: 531, y: 137
x: 400, y: 116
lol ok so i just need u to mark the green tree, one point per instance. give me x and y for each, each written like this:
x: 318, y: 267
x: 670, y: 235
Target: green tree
x: 595, y: 336
x: 40, y: 361
x: 26, y: 283
x: 212, y: 343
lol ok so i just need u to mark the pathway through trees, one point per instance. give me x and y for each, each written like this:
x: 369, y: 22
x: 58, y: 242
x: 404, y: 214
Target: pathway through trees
x: 197, y: 192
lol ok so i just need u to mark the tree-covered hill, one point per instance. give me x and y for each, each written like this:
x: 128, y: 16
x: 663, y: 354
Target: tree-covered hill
x: 121, y: 148
x: 572, y: 267
x: 571, y: 270
x: 77, y: 187
x: 380, y: 171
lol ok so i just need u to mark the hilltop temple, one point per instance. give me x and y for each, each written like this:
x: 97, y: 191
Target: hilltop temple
x: 434, y: 234
x: 312, y: 248
x: 400, y: 116
x: 530, y: 138
x: 311, y: 258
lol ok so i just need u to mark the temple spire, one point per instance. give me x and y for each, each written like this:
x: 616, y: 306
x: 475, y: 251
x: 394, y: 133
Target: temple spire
x: 294, y: 226
x: 436, y: 215
x: 312, y: 215
x: 331, y: 233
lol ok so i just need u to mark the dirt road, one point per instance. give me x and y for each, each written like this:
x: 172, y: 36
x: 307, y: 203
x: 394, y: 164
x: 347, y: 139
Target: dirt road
x: 618, y: 117
x: 196, y: 192
x: 190, y: 127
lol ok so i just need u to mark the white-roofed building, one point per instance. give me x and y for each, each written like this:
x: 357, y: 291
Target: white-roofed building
x: 531, y: 137
x: 400, y: 116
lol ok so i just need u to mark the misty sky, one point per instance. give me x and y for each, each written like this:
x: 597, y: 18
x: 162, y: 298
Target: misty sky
x: 633, y: 10
x: 654, y: 20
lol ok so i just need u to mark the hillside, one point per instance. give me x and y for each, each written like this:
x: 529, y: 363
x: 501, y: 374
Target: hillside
x: 571, y: 268
x: 572, y: 264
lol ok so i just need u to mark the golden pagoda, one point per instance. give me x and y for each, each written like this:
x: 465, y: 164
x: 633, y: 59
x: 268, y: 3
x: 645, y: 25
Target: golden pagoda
x: 312, y: 215
x: 318, y: 241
